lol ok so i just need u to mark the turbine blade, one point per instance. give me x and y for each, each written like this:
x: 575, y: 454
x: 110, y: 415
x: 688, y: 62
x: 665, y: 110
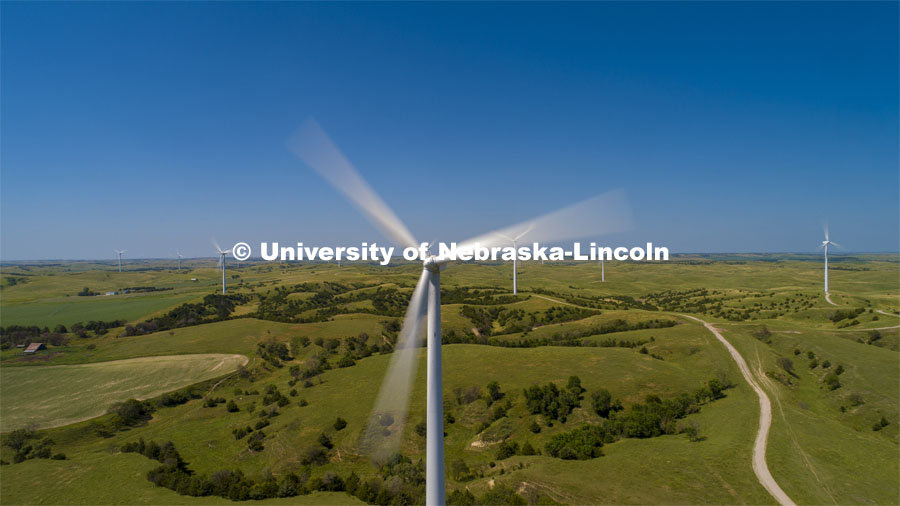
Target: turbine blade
x: 825, y: 228
x: 216, y: 245
x: 836, y: 245
x: 604, y: 214
x: 312, y: 145
x: 523, y: 233
x: 384, y: 431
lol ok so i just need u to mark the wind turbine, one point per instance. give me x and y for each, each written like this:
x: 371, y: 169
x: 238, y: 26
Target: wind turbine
x: 119, y: 252
x: 827, y: 242
x: 515, y: 241
x: 222, y: 253
x: 180, y: 256
x: 602, y: 270
x: 603, y: 214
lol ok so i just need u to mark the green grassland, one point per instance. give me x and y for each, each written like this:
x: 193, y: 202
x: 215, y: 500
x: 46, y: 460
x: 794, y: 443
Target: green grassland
x: 822, y: 447
x: 59, y: 395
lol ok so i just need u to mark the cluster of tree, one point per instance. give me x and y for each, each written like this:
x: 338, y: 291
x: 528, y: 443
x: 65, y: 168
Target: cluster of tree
x: 569, y: 338
x: 99, y: 328
x: 178, y: 397
x: 142, y: 289
x: 13, y: 281
x: 214, y: 307
x: 481, y: 296
x: 14, y: 335
x: 507, y: 449
x: 273, y: 352
x: 845, y: 314
x: 654, y: 417
x: 597, y: 302
x: 19, y: 335
x: 87, y: 292
x: 499, y: 494
x: 131, y: 413
x: 552, y: 402
x: 517, y: 320
x: 22, y: 442
x: 327, y: 300
x: 274, y: 396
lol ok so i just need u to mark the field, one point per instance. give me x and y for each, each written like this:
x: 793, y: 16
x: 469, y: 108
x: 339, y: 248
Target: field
x: 320, y: 338
x: 59, y: 395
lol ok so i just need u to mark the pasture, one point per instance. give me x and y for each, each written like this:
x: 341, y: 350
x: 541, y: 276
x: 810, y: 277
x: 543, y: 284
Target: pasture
x: 51, y: 396
x: 822, y: 447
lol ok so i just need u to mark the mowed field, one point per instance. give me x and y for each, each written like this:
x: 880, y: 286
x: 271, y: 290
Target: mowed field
x: 822, y: 449
x: 51, y: 396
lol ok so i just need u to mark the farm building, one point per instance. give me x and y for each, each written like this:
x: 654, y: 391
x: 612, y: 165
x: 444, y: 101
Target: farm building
x: 34, y: 347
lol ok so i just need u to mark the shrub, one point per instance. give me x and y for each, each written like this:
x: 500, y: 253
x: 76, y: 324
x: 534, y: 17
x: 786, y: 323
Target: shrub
x: 832, y: 382
x: 786, y: 364
x: 232, y: 406
x: 507, y: 449
x: 340, y: 423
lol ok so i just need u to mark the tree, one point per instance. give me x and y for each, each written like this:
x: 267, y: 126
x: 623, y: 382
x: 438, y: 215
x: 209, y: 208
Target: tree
x: 459, y: 470
x: 494, y: 393
x: 340, y: 423
x: 832, y: 381
x: 786, y: 364
x: 601, y: 402
x: 692, y: 430
x: 232, y: 406
x: 574, y: 385
x: 325, y: 441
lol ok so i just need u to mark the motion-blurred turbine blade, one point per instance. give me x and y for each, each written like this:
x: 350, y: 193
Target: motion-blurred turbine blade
x: 836, y: 245
x: 604, y: 214
x: 384, y: 432
x: 312, y: 145
x: 523, y: 233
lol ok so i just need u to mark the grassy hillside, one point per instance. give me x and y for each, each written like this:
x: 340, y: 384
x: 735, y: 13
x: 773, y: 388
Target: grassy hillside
x: 334, y: 337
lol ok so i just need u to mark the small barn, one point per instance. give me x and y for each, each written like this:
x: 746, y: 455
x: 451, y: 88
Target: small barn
x: 34, y: 348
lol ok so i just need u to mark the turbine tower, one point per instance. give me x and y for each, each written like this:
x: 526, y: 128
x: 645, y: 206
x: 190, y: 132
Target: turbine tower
x: 827, y: 242
x: 515, y: 241
x: 600, y: 215
x: 119, y: 252
x: 180, y: 256
x: 222, y: 253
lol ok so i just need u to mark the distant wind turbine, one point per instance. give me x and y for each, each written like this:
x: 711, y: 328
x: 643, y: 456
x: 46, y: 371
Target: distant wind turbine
x: 827, y: 242
x: 222, y: 253
x: 515, y: 241
x: 602, y: 270
x: 180, y: 256
x: 602, y: 214
x: 119, y: 252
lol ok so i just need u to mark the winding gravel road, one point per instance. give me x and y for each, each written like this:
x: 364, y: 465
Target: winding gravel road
x: 765, y: 422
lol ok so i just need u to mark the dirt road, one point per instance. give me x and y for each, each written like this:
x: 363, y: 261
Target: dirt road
x: 765, y: 422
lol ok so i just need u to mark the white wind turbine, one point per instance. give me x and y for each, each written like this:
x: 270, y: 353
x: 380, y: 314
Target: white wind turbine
x: 827, y: 242
x: 180, y: 256
x: 119, y: 252
x: 222, y: 253
x: 603, y: 214
x: 515, y: 241
x: 602, y: 269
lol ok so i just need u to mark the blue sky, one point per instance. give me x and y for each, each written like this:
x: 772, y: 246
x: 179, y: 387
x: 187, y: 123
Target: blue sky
x: 734, y: 127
